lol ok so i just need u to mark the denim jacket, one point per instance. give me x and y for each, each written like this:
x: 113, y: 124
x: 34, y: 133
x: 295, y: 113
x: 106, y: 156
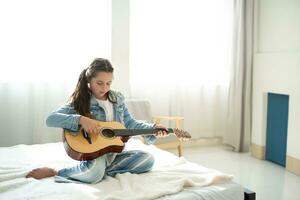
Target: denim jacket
x: 66, y: 117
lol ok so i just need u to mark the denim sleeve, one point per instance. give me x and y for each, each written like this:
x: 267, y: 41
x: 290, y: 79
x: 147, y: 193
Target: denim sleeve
x: 65, y: 117
x: 132, y: 123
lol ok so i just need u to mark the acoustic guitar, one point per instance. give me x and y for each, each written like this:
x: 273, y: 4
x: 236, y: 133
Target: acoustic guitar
x: 82, y: 146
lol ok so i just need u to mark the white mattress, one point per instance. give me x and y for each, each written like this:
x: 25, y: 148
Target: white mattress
x: 223, y: 191
x: 16, y: 161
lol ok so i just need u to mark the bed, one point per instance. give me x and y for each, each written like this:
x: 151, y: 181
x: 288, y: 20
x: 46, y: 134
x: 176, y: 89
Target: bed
x: 172, y: 178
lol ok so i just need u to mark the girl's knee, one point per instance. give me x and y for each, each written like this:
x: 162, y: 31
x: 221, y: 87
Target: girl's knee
x: 150, y: 162
x: 134, y: 162
x: 146, y: 162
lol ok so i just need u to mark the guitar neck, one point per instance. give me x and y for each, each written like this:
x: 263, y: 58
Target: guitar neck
x: 133, y: 132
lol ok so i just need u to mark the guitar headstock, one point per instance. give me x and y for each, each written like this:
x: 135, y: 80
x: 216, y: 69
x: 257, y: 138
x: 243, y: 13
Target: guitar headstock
x: 182, y: 135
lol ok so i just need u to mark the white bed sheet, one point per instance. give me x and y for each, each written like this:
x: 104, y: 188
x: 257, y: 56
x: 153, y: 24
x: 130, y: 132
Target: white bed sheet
x: 170, y: 179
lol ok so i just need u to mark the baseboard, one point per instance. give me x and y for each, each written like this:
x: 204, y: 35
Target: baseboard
x: 168, y: 145
x: 258, y: 151
x: 203, y: 142
x: 293, y: 165
x: 191, y: 143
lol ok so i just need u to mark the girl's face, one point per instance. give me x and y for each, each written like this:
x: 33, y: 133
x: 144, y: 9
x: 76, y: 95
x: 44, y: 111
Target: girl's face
x: 100, y: 84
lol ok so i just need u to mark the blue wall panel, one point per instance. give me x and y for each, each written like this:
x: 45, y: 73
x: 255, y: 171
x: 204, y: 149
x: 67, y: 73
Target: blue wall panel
x: 277, y: 123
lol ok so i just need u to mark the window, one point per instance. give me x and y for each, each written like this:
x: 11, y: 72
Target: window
x: 49, y: 40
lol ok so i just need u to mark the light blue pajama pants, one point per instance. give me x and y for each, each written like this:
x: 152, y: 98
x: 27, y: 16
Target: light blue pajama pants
x: 93, y: 171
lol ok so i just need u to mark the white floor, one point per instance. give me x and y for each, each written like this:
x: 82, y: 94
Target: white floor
x: 270, y: 181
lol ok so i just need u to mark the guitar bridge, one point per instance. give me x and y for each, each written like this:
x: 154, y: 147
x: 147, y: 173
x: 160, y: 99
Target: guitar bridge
x: 86, y: 136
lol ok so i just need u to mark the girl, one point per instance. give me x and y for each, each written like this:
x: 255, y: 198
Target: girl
x: 93, y: 100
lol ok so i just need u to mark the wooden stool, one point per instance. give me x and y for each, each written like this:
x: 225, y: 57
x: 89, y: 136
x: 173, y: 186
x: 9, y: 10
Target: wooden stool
x: 178, y: 125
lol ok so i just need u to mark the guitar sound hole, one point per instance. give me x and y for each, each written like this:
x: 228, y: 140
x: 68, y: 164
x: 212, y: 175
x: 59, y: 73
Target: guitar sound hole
x: 108, y: 133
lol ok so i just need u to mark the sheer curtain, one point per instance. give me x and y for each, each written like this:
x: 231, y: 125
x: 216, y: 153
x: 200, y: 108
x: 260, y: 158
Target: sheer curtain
x: 239, y: 123
x: 180, y: 54
x: 44, y: 47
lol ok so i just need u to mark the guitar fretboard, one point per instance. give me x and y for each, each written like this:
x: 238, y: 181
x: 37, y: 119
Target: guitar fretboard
x: 132, y: 132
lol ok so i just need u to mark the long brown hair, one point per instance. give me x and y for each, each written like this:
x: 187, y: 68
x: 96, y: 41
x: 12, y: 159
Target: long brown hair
x: 81, y: 97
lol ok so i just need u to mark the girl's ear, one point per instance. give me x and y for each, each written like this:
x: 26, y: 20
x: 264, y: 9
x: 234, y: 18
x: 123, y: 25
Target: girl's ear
x: 89, y: 85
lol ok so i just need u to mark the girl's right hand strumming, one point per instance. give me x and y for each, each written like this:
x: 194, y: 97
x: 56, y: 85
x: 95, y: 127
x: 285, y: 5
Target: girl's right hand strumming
x: 89, y: 125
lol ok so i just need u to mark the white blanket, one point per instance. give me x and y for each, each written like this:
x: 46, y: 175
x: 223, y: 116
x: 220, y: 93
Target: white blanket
x: 170, y: 175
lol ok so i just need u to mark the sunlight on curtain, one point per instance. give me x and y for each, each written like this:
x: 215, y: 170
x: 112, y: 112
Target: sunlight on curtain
x: 181, y: 42
x: 44, y: 47
x: 180, y: 53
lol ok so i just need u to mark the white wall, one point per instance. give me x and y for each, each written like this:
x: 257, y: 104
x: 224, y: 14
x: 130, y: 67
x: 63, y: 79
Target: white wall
x: 120, y: 45
x: 277, y: 66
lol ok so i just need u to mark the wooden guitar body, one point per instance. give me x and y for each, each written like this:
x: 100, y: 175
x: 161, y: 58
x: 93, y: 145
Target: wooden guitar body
x: 78, y: 148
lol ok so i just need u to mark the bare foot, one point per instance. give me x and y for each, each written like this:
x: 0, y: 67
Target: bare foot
x: 40, y: 173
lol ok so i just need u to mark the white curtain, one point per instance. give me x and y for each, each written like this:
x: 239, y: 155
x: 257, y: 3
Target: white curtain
x: 180, y: 53
x: 239, y: 124
x: 44, y: 47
